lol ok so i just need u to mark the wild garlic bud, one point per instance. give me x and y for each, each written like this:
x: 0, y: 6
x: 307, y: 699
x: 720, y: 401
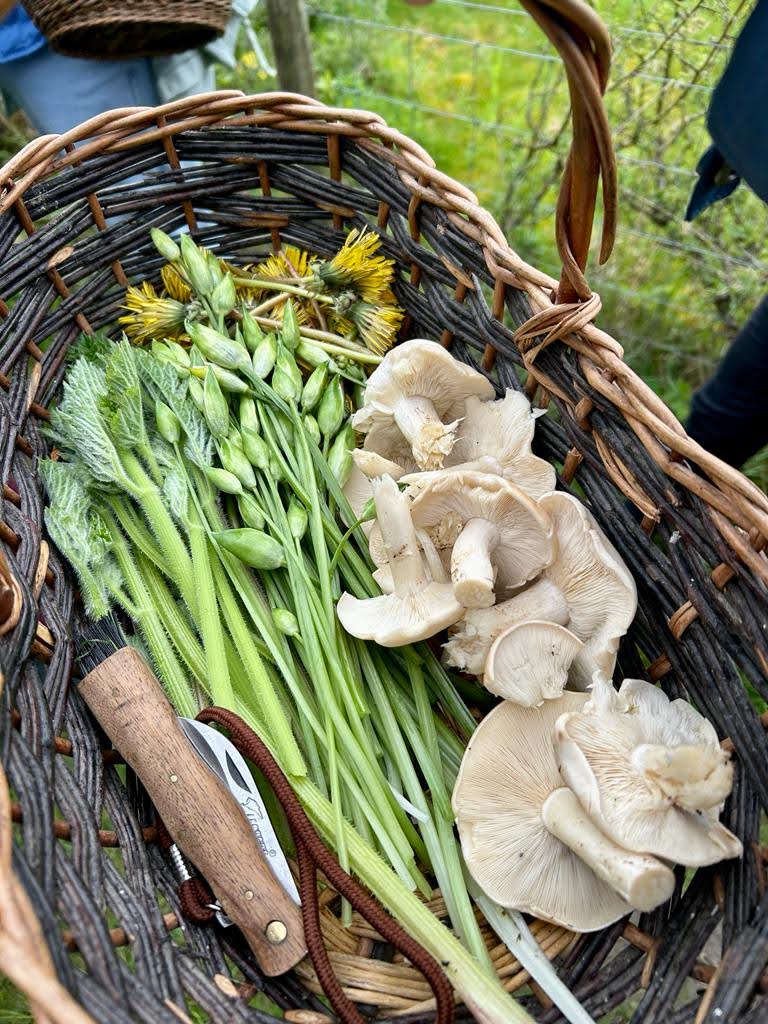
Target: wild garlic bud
x: 286, y: 379
x: 215, y: 406
x: 252, y: 333
x: 289, y: 334
x: 285, y: 424
x: 223, y: 297
x: 297, y: 518
x: 229, y: 381
x: 314, y: 388
x: 330, y: 412
x: 340, y: 456
x: 235, y: 461
x: 223, y: 480
x: 250, y: 512
x: 256, y: 549
x: 313, y: 355
x: 218, y: 348
x: 168, y: 423
x: 255, y: 448
x: 264, y: 356
x: 249, y: 417
x: 165, y: 245
x: 196, y: 267
x: 196, y: 393
x: 285, y: 621
x: 312, y: 429
x: 275, y: 469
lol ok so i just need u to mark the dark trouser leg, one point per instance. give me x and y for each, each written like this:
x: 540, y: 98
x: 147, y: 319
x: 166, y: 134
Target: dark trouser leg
x: 729, y: 414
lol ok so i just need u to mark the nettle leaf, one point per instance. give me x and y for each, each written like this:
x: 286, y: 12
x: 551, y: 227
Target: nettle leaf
x: 123, y: 406
x: 163, y: 382
x: 175, y: 492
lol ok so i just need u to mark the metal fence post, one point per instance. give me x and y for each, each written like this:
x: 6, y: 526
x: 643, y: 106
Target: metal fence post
x: 289, y: 28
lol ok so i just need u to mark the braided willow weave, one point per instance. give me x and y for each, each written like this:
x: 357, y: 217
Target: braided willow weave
x: 89, y: 892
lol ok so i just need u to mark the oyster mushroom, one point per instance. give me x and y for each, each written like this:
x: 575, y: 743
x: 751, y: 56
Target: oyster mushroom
x: 418, y: 607
x: 595, y: 583
x: 649, y: 772
x: 527, y: 841
x: 504, y: 430
x: 414, y: 401
x: 499, y: 538
x: 529, y: 663
x: 473, y: 635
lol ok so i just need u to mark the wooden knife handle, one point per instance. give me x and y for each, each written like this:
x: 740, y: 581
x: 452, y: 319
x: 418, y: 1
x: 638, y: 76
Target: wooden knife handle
x: 201, y: 815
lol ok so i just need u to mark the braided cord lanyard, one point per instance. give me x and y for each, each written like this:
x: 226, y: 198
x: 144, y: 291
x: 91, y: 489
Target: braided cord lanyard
x: 312, y: 855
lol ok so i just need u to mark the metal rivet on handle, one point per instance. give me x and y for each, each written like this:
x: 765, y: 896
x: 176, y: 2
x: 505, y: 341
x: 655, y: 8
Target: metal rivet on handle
x: 174, y: 778
x: 276, y: 932
x: 249, y: 894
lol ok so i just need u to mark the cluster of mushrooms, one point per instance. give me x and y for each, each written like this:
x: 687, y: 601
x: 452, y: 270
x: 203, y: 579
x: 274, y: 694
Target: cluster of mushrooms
x: 570, y: 805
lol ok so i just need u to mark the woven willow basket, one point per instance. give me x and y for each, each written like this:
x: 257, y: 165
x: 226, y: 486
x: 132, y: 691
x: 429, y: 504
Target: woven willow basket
x: 87, y: 898
x: 128, y: 28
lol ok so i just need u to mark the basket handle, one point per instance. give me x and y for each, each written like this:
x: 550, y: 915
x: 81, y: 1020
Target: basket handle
x: 582, y: 40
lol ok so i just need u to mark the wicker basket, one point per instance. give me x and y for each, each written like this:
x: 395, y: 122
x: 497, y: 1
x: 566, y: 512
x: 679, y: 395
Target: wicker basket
x: 87, y: 898
x: 136, y: 28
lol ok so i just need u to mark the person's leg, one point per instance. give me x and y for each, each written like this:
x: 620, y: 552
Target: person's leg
x: 729, y: 414
x: 58, y: 92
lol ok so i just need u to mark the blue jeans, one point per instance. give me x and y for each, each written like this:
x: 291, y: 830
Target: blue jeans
x: 57, y: 92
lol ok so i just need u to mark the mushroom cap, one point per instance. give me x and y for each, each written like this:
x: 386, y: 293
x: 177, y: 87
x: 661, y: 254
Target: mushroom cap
x: 504, y: 429
x: 449, y: 500
x: 637, y: 762
x: 471, y: 638
x: 392, y: 621
x: 508, y: 771
x: 599, y: 589
x: 421, y: 368
x: 529, y: 663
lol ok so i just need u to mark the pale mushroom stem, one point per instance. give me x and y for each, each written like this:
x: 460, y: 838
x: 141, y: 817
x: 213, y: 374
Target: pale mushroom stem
x: 430, y: 439
x: 472, y: 572
x: 642, y: 881
x: 399, y: 535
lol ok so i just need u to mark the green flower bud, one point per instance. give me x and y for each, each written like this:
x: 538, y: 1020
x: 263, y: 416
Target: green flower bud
x: 312, y: 429
x: 196, y: 357
x: 249, y: 417
x: 217, y: 347
x: 235, y: 437
x: 250, y: 512
x: 286, y: 425
x: 358, y: 395
x: 171, y: 352
x: 196, y: 393
x: 285, y: 621
x: 255, y: 448
x: 297, y: 518
x: 252, y: 333
x: 275, y: 470
x: 165, y: 245
x: 312, y: 355
x: 167, y: 422
x: 340, y: 456
x: 229, y: 381
x: 330, y: 412
x: 223, y: 297
x: 289, y: 333
x: 196, y: 266
x: 368, y: 513
x: 264, y: 356
x: 314, y: 388
x: 215, y: 406
x: 286, y: 380
x: 235, y: 461
x: 223, y: 480
x: 253, y: 547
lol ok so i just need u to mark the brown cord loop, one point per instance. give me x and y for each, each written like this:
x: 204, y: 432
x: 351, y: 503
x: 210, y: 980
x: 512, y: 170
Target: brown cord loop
x: 313, y: 855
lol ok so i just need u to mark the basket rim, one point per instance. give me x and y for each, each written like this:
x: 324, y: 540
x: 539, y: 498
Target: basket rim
x: 739, y: 509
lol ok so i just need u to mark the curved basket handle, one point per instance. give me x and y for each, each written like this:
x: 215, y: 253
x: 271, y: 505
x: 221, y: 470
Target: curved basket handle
x: 582, y: 40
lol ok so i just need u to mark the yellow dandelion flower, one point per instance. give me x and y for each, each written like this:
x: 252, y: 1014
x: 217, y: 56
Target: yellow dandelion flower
x: 151, y: 316
x: 175, y: 284
x: 357, y: 266
x: 375, y: 326
x: 288, y: 263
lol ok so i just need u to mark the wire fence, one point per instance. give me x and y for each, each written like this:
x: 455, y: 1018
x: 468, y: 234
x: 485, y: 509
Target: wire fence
x: 477, y: 84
